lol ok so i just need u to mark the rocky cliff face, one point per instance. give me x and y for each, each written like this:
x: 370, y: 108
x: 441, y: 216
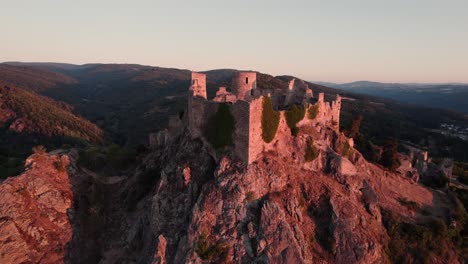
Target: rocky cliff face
x: 183, y: 204
x: 34, y: 221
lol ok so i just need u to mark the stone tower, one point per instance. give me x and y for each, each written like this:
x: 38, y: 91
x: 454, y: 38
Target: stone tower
x: 244, y: 84
x: 198, y: 84
x: 196, y: 98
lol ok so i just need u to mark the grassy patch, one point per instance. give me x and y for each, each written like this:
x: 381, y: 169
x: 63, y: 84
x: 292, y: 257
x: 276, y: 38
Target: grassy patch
x: 270, y: 120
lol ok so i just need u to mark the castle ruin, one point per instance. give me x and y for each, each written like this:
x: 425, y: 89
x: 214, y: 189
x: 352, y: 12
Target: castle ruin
x: 245, y: 101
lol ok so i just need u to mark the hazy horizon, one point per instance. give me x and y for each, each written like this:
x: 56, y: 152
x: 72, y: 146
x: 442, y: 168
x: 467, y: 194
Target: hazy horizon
x: 313, y: 81
x: 390, y: 42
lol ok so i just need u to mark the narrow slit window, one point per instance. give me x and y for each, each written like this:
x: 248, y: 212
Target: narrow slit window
x: 246, y: 79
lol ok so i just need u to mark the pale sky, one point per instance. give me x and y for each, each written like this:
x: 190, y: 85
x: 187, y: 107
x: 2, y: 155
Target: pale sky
x: 336, y: 41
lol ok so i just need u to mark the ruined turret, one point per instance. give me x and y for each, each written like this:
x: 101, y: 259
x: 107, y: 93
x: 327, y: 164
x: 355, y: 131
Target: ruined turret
x: 198, y: 84
x: 244, y: 84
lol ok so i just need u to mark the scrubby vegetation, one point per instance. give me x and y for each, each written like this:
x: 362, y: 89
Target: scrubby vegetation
x: 313, y: 111
x: 461, y: 170
x: 250, y: 196
x: 210, y: 251
x: 112, y: 157
x: 435, y: 177
x: 60, y: 165
x: 221, y: 127
x: 415, y: 243
x: 39, y: 150
x: 270, y: 120
x: 293, y: 116
x: 347, y: 151
x: 10, y: 166
x: 411, y: 205
x: 389, y: 157
x: 32, y: 119
x: 44, y: 116
x: 311, y: 152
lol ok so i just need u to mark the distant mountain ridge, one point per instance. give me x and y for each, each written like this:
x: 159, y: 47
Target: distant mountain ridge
x: 451, y: 96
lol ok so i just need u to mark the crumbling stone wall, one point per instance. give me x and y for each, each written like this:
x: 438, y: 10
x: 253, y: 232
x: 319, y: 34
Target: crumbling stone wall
x: 247, y: 111
x: 198, y: 84
x: 223, y: 96
x: 329, y: 112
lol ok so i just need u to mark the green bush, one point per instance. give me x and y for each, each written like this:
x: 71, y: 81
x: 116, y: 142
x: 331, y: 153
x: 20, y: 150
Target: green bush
x: 270, y: 120
x: 209, y: 251
x: 311, y: 152
x: 221, y: 127
x: 313, y: 111
x: 293, y: 116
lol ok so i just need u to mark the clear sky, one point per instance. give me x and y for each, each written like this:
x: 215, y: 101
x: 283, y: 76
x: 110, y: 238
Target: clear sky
x: 337, y: 41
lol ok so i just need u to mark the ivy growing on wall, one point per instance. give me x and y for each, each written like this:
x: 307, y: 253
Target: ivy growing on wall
x: 270, y: 120
x: 293, y: 116
x: 221, y: 127
x: 313, y: 111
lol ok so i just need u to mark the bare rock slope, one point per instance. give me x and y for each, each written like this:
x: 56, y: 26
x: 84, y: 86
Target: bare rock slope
x: 34, y: 225
x: 184, y: 204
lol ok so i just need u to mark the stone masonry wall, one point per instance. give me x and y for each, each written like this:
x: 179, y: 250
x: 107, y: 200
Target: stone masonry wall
x: 255, y: 129
x: 200, y: 111
x: 328, y: 112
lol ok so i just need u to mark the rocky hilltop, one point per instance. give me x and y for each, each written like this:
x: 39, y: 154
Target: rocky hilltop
x: 34, y: 222
x: 183, y: 204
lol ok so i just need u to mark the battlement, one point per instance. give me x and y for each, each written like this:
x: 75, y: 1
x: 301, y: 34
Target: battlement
x: 245, y: 103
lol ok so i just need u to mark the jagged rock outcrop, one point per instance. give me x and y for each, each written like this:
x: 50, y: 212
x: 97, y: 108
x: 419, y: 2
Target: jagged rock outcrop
x: 183, y: 205
x: 34, y: 211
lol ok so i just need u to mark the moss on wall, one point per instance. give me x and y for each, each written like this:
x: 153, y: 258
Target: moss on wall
x: 221, y: 127
x: 293, y: 116
x: 270, y: 120
x: 313, y: 112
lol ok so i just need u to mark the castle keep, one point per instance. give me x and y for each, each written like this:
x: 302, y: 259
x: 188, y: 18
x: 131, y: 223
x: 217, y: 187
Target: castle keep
x: 245, y: 102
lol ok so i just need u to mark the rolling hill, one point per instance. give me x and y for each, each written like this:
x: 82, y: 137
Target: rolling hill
x: 28, y: 119
x: 130, y: 101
